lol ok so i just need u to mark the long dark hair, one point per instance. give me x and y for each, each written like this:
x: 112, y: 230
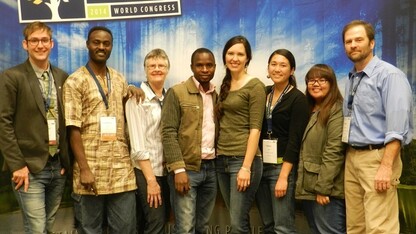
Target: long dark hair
x: 289, y: 56
x: 226, y: 82
x: 333, y: 97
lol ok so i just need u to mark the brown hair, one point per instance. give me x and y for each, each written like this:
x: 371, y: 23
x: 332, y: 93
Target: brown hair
x: 35, y: 26
x: 369, y: 29
x: 333, y: 97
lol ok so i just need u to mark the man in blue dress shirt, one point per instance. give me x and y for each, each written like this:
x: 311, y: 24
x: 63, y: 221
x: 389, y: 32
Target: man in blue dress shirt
x: 378, y: 122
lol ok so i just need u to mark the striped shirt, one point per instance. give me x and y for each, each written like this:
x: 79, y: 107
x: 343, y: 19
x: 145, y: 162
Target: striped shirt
x: 109, y: 161
x: 144, y: 130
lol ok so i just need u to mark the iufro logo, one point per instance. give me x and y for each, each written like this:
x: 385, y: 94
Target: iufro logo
x: 51, y: 10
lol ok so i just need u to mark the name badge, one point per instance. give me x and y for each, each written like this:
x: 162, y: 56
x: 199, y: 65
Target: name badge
x: 108, y: 128
x: 52, y: 131
x: 270, y: 151
x: 346, y: 129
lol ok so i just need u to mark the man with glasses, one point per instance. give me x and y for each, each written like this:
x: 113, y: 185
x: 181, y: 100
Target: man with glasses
x: 33, y: 134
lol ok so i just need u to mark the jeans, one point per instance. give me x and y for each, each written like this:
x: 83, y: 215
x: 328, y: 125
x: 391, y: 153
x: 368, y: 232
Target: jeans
x: 40, y: 203
x: 193, y: 210
x: 238, y: 203
x: 119, y: 209
x: 326, y: 219
x: 277, y: 214
x: 151, y: 220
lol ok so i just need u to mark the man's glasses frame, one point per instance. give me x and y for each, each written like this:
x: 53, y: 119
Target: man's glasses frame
x: 35, y: 41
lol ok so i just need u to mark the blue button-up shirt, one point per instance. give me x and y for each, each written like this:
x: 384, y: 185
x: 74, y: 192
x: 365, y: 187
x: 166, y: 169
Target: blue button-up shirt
x: 382, y: 105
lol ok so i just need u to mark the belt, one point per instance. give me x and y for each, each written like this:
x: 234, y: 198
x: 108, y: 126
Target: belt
x: 207, y: 160
x: 54, y: 157
x: 367, y: 147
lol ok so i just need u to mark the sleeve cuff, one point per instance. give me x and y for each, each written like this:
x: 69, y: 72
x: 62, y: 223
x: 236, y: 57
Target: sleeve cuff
x: 179, y: 170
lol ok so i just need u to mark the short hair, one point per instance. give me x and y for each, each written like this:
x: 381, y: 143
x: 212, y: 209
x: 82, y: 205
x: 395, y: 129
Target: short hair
x: 156, y: 53
x: 369, y: 29
x: 200, y: 51
x: 35, y: 26
x: 99, y: 28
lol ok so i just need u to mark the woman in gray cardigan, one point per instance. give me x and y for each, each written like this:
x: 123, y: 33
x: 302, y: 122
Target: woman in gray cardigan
x: 320, y: 183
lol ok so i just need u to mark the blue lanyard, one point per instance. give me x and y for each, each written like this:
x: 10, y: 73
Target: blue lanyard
x: 100, y: 88
x: 354, y: 88
x: 269, y: 109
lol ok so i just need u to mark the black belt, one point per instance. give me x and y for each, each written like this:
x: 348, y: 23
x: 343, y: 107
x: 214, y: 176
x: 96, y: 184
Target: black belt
x: 54, y: 158
x: 207, y: 160
x: 367, y: 147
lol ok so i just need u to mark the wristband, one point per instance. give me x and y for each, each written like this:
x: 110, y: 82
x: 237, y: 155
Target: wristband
x: 246, y: 169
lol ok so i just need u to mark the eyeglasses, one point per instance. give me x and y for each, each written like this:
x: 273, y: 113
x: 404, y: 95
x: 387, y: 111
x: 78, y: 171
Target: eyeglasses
x: 320, y: 81
x: 154, y: 66
x: 35, y: 41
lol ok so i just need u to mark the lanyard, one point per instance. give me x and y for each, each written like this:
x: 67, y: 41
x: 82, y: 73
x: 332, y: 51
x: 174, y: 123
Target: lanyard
x: 47, y: 98
x: 163, y: 93
x: 100, y: 88
x: 354, y: 88
x: 269, y: 108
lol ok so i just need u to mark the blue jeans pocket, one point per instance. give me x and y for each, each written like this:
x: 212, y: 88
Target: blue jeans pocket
x: 76, y: 197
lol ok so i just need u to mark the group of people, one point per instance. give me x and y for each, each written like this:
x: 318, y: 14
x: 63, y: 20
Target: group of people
x: 141, y: 152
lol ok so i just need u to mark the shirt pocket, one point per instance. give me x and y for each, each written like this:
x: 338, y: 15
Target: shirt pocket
x: 190, y: 113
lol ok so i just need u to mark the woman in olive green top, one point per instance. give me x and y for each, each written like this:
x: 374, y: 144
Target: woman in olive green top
x: 320, y: 183
x: 240, y: 111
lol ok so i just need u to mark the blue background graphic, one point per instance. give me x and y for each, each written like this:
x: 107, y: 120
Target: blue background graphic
x: 311, y: 29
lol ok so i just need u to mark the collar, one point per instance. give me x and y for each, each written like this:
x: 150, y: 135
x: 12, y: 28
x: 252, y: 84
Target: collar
x: 39, y: 71
x: 368, y: 70
x: 150, y: 95
x: 199, y: 86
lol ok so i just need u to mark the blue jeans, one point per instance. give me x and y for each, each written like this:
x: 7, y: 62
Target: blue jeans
x: 41, y: 202
x: 238, y: 203
x: 151, y: 220
x: 277, y: 214
x: 325, y: 219
x: 117, y: 211
x: 193, y: 210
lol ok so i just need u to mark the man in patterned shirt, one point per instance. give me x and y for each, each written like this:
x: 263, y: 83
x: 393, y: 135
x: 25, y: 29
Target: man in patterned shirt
x: 104, y: 182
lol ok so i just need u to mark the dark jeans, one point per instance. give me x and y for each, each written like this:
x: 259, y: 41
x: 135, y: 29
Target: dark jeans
x: 151, y: 220
x: 117, y: 210
x: 277, y: 214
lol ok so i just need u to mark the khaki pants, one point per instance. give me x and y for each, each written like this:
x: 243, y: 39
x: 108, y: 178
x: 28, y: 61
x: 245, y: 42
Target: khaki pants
x: 369, y: 211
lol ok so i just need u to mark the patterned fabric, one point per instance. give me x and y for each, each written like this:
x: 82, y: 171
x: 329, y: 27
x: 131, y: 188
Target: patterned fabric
x: 109, y: 161
x: 52, y: 111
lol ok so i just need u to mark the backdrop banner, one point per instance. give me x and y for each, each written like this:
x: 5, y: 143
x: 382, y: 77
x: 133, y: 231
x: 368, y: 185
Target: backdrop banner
x: 310, y: 29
